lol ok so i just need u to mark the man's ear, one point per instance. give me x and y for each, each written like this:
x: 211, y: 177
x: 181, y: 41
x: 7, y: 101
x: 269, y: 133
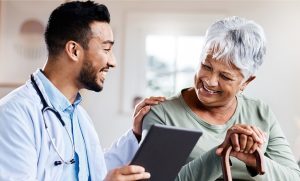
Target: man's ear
x: 247, y: 82
x: 73, y: 50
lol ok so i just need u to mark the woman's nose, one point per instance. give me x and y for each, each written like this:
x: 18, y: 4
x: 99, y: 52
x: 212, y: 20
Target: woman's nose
x: 212, y: 80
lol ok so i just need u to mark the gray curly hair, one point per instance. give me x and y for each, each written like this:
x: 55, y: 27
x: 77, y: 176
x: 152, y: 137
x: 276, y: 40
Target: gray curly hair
x: 236, y: 41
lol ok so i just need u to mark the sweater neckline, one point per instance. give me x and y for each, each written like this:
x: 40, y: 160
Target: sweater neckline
x: 201, y: 121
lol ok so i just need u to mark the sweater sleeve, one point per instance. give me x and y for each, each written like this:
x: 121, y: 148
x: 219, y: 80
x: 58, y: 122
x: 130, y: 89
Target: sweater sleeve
x: 280, y: 163
x: 207, y: 167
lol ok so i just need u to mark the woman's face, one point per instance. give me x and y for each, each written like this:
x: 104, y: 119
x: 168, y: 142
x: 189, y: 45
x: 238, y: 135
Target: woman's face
x: 217, y: 83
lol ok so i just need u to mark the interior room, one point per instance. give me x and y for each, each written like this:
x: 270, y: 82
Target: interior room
x: 157, y: 47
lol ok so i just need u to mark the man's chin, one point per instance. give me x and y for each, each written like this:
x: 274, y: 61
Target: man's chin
x: 95, y: 88
x: 99, y: 89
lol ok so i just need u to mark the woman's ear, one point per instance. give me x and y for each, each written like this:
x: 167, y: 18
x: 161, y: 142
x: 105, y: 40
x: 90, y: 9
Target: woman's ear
x: 73, y: 50
x: 247, y: 82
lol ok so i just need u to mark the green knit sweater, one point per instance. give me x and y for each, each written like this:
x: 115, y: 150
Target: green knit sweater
x: 204, y: 164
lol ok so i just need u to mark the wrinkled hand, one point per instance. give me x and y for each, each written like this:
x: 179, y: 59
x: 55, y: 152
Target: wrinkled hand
x: 141, y: 109
x: 244, y: 139
x: 127, y: 173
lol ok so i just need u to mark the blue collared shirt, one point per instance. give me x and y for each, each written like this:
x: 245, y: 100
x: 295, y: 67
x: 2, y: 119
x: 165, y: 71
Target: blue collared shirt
x: 68, y: 112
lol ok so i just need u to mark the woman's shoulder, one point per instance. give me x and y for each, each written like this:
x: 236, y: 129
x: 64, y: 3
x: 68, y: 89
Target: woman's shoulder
x: 253, y: 105
x: 251, y: 101
x: 170, y: 104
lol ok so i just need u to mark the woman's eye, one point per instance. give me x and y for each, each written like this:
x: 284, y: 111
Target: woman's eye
x: 225, y: 77
x: 206, y: 67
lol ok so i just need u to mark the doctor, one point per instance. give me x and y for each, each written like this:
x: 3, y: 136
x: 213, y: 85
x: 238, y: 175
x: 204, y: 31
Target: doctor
x: 45, y: 134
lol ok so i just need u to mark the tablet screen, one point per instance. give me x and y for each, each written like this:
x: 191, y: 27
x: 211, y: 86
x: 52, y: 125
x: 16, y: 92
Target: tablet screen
x: 165, y: 150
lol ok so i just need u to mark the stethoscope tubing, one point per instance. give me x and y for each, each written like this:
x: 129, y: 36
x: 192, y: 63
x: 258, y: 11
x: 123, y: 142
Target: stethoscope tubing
x: 45, y: 108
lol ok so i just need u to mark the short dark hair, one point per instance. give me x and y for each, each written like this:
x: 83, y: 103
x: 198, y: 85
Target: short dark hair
x: 71, y: 21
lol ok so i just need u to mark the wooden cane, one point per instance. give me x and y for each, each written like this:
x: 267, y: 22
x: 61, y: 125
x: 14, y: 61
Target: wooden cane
x: 226, y: 163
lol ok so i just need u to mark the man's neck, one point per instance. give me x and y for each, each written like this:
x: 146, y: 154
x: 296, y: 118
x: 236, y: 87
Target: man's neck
x: 63, y: 81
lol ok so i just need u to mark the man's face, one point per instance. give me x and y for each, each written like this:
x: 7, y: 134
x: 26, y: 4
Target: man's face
x: 217, y: 83
x: 98, y: 58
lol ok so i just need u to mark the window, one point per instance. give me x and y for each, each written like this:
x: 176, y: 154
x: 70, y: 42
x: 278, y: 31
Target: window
x: 171, y: 63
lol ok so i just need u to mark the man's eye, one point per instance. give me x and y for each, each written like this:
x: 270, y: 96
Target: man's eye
x: 106, y: 50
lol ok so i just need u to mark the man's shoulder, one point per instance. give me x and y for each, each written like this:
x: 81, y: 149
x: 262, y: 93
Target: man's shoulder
x: 21, y: 97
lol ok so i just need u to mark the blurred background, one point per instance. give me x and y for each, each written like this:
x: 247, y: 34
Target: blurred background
x: 158, y: 44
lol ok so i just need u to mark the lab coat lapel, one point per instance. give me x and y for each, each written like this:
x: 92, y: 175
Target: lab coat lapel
x: 95, y: 155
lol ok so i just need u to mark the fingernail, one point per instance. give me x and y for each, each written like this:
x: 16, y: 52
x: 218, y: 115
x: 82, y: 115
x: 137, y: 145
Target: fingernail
x: 237, y: 148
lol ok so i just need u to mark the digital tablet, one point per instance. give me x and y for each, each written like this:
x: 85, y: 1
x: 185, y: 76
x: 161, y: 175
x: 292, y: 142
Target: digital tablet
x: 165, y: 150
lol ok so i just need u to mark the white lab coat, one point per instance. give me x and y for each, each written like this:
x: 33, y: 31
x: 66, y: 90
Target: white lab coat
x: 25, y: 149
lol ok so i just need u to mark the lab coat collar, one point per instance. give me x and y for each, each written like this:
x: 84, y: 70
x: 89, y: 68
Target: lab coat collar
x: 58, y: 100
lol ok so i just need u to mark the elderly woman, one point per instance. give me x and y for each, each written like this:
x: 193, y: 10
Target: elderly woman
x: 233, y: 50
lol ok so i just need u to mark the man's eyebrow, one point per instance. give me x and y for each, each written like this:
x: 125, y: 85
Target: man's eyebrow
x: 108, y: 42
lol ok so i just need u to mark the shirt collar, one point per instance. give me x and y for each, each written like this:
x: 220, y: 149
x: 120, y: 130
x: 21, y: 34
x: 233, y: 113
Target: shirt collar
x: 57, y: 99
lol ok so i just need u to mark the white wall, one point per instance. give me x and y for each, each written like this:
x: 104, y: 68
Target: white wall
x: 277, y: 81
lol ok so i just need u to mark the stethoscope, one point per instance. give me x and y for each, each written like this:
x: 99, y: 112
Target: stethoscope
x: 46, y: 108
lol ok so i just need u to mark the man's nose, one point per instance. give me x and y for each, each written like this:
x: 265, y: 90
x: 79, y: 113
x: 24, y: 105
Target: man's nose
x: 112, y: 61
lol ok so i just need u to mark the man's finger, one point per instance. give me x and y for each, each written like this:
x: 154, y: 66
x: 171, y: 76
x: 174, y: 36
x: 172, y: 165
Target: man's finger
x: 137, y: 176
x: 159, y: 98
x: 139, y: 116
x: 148, y: 101
x: 131, y: 169
x: 137, y: 125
